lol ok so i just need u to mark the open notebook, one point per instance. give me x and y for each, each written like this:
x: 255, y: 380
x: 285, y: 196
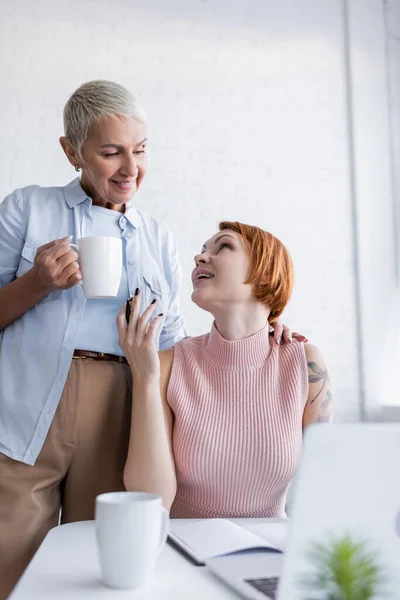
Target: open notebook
x: 203, y: 539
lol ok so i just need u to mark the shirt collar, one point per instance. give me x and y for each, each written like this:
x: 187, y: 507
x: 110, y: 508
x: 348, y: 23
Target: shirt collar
x: 132, y: 214
x: 75, y: 194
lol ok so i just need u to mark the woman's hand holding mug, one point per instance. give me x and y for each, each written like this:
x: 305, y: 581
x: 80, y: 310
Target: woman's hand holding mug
x: 56, y: 265
x: 99, y: 268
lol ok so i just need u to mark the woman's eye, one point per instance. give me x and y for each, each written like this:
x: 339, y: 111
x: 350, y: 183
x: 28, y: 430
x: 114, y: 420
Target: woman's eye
x: 225, y: 245
x: 140, y: 151
x: 111, y: 154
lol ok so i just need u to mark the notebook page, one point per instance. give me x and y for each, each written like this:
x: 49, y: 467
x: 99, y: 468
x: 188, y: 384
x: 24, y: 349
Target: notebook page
x: 207, y: 538
x: 274, y: 533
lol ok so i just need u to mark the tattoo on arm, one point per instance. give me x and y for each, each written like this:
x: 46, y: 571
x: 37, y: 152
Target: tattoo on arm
x: 317, y: 374
x: 326, y: 409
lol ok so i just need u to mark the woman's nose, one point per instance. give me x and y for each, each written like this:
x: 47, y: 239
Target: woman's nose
x: 201, y: 258
x: 129, y: 167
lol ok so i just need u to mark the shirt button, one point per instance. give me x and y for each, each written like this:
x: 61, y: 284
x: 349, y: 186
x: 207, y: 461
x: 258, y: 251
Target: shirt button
x: 131, y: 262
x: 122, y: 220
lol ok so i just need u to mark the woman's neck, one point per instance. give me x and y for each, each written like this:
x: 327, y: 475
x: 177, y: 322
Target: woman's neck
x: 97, y: 201
x: 241, y: 322
x: 117, y: 207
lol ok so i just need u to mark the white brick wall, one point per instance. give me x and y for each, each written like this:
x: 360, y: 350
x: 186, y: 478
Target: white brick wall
x: 375, y: 112
x: 247, y: 108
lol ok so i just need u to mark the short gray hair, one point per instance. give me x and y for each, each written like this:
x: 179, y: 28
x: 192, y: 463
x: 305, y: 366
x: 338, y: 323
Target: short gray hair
x: 94, y: 100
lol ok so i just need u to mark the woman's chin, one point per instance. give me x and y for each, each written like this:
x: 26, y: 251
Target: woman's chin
x: 201, y: 300
x: 121, y: 199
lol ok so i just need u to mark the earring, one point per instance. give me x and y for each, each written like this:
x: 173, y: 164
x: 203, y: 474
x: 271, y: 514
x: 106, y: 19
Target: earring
x: 77, y: 168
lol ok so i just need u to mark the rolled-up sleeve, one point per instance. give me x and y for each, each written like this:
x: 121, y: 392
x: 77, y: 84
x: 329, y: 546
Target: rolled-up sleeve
x: 12, y: 234
x: 174, y: 326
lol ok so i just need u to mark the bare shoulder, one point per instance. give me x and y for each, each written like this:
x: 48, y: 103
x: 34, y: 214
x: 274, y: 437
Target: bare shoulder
x: 166, y: 356
x: 166, y: 360
x: 317, y: 366
x: 314, y: 354
x: 318, y: 407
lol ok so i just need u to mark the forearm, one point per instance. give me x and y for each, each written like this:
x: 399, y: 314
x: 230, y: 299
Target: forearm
x: 149, y: 466
x: 18, y: 297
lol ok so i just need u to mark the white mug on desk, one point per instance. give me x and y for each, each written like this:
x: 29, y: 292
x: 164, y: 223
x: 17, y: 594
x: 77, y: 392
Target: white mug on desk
x: 100, y: 260
x: 131, y: 529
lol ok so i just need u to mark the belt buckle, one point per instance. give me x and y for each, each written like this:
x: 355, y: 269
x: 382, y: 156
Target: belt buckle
x: 100, y: 355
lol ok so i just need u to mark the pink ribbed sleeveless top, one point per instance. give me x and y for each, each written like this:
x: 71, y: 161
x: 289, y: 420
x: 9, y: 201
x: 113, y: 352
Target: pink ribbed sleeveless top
x: 237, y: 436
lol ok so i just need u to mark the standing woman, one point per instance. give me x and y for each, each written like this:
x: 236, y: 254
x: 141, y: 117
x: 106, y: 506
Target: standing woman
x: 64, y: 423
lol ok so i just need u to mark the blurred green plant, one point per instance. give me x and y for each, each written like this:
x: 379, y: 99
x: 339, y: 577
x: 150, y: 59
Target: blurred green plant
x: 344, y: 569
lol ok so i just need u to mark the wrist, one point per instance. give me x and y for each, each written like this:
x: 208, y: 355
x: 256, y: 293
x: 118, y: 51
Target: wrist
x: 36, y: 284
x: 145, y: 381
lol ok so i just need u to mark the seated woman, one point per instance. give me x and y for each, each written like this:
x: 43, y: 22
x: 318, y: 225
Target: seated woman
x: 217, y: 421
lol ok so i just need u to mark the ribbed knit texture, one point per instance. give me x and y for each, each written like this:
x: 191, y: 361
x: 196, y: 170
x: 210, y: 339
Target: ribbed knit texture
x: 237, y: 436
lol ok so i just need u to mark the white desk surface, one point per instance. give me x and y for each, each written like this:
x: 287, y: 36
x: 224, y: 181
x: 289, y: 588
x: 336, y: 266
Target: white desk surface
x: 66, y: 568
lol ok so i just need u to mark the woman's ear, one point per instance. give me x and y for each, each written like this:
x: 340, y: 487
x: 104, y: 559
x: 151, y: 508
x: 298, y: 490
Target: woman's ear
x: 70, y: 152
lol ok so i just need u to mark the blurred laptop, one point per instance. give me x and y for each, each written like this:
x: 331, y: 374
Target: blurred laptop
x: 348, y: 483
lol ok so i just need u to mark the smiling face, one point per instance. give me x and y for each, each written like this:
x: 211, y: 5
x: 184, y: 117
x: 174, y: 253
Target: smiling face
x: 221, y: 269
x: 113, y: 159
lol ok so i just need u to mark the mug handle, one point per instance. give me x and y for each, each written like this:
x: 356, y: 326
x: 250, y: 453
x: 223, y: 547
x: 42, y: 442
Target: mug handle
x: 164, y: 527
x: 76, y: 248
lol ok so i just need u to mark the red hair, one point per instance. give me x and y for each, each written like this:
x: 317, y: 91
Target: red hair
x: 272, y: 273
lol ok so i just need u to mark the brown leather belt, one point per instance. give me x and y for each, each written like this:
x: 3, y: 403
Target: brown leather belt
x: 99, y: 356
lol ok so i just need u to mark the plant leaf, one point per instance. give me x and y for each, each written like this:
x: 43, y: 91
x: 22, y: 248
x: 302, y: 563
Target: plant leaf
x: 345, y: 569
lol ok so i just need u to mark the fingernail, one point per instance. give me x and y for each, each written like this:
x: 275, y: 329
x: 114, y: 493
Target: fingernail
x: 278, y: 341
x: 68, y: 237
x: 136, y: 291
x: 154, y: 301
x: 161, y: 314
x: 128, y: 311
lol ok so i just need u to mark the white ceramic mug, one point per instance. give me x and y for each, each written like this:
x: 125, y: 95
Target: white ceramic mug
x: 131, y: 529
x: 100, y: 260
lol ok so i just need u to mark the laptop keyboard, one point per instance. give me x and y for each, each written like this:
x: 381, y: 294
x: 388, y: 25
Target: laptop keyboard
x: 267, y: 586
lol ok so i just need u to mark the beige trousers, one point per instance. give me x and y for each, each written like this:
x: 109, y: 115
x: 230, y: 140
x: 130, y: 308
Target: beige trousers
x: 83, y: 456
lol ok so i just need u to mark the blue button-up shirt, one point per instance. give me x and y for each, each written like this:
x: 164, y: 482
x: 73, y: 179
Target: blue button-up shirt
x: 36, y: 350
